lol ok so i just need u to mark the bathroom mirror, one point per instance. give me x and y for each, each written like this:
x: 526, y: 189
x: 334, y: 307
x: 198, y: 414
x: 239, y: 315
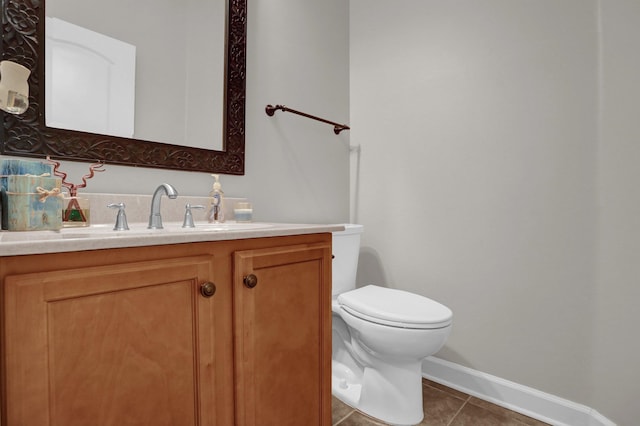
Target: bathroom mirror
x: 23, y: 41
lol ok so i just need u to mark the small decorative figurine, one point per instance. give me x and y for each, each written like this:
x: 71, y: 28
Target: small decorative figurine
x: 75, y: 214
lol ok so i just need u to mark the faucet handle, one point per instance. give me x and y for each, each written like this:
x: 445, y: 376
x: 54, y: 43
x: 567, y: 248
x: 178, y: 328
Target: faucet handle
x: 121, y: 218
x: 188, y: 217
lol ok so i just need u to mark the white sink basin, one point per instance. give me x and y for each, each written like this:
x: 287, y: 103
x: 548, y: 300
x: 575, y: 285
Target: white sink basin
x: 226, y: 226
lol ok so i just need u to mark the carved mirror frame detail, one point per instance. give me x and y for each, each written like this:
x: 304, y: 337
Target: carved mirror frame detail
x: 27, y: 135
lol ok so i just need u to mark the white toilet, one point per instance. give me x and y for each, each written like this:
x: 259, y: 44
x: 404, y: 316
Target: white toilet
x: 380, y: 338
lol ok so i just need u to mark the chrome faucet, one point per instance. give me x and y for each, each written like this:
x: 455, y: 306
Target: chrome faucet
x: 155, y: 219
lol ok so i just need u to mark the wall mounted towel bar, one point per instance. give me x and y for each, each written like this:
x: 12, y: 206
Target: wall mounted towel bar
x: 337, y: 128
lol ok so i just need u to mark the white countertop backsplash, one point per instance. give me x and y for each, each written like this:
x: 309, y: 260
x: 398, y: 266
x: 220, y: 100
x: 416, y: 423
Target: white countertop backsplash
x: 100, y: 235
x: 138, y: 207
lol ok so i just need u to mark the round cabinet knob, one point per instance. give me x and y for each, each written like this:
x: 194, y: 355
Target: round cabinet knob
x: 208, y: 289
x: 250, y: 281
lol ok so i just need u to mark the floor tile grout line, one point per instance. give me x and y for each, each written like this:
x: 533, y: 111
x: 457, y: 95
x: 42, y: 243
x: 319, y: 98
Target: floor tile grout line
x: 448, y: 392
x: 344, y: 418
x: 459, y: 410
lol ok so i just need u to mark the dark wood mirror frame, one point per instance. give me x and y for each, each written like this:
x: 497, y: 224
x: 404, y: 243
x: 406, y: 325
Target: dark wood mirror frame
x: 27, y: 135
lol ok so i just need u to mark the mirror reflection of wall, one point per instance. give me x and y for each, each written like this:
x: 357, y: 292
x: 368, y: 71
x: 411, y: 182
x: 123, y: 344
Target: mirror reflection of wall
x: 90, y: 80
x: 179, y: 62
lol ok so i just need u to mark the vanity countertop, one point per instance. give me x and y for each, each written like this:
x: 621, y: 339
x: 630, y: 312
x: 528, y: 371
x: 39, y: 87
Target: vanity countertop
x: 101, y: 236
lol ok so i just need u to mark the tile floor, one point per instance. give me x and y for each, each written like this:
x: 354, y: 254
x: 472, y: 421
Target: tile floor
x: 443, y: 407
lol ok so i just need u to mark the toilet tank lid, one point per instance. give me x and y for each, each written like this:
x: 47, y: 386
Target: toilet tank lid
x: 395, y: 306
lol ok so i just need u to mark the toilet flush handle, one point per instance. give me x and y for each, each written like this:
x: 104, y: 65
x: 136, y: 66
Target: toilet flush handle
x: 250, y: 281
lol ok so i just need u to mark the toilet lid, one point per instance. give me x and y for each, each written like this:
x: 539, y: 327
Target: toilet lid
x: 394, y: 307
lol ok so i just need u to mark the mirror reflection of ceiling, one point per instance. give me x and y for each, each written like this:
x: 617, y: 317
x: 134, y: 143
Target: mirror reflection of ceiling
x: 179, y: 64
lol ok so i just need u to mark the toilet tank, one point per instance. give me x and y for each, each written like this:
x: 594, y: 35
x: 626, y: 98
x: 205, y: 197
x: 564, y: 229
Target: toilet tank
x: 346, y: 248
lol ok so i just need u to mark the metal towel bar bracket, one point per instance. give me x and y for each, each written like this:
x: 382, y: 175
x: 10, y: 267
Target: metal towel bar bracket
x: 337, y: 127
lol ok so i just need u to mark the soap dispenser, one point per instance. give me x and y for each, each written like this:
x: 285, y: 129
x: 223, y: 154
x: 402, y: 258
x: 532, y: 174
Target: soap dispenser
x: 216, y: 212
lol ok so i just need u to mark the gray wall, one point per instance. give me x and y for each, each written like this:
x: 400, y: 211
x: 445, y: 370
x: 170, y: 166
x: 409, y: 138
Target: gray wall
x: 616, y: 381
x: 498, y: 175
x: 297, y: 170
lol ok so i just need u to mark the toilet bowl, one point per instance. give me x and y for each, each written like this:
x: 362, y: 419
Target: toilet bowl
x: 380, y: 338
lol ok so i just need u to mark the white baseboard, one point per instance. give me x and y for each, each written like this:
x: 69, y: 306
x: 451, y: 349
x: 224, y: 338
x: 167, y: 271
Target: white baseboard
x: 522, y: 399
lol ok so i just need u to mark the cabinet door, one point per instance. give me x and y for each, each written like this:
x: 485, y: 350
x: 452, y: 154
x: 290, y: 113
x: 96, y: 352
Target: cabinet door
x: 283, y: 335
x: 130, y: 344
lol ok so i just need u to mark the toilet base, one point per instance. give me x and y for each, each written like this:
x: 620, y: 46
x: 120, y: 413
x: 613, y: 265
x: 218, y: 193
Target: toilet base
x: 392, y: 394
x: 344, y: 384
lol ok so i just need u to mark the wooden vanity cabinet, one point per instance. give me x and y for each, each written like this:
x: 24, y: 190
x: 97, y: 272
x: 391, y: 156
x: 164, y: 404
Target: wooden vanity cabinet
x: 216, y: 333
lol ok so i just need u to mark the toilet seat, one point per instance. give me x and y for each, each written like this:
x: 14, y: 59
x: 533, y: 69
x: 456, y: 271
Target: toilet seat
x: 395, y: 308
